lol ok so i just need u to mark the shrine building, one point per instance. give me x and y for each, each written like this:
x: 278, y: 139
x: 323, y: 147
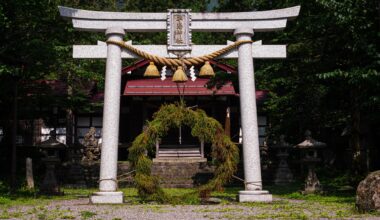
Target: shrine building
x: 141, y: 98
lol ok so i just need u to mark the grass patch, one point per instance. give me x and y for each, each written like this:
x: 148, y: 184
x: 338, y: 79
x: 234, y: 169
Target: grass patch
x: 289, y: 204
x: 68, y: 217
x: 4, y: 200
x: 29, y: 197
x: 293, y: 191
x: 5, y: 215
x: 156, y: 208
x: 220, y: 210
x: 11, y: 214
x: 178, y: 196
x: 183, y: 196
x: 87, y: 214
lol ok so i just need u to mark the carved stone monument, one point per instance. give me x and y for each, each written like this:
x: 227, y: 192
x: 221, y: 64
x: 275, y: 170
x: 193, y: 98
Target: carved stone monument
x: 241, y: 24
x: 91, y: 151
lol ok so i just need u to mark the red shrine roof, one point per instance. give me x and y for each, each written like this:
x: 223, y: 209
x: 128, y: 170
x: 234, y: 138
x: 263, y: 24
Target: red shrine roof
x: 158, y: 87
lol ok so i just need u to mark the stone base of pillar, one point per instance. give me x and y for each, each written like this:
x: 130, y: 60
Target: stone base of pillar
x: 107, y: 198
x: 254, y: 196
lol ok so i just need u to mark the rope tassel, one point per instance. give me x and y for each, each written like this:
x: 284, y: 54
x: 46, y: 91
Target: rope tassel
x: 152, y: 71
x: 179, y: 75
x: 206, y: 70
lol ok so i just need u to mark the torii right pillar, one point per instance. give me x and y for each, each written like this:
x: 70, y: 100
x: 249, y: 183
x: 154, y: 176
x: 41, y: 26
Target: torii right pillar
x: 253, y: 191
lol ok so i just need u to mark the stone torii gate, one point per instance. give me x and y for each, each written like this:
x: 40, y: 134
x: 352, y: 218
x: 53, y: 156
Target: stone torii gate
x: 241, y: 24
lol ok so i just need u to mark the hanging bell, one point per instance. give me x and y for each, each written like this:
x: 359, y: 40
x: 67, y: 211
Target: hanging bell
x: 179, y: 75
x: 152, y: 71
x: 206, y: 70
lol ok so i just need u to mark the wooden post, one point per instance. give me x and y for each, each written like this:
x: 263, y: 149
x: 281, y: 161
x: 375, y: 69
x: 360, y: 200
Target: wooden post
x: 29, y: 173
x: 69, y: 114
x: 157, y: 148
x: 227, y: 123
x: 144, y: 114
x: 202, y: 149
x: 14, y: 136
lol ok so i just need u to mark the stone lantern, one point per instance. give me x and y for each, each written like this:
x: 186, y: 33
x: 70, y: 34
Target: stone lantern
x: 309, y: 156
x: 50, y: 149
x: 283, y: 174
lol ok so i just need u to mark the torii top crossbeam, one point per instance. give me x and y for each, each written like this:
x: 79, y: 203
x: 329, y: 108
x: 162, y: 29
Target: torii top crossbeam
x: 259, y: 21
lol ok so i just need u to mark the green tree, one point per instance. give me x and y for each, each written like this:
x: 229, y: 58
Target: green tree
x: 36, y: 45
x: 331, y: 76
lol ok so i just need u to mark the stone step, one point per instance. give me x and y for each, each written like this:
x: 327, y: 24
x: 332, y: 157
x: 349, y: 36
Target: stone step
x: 181, y: 148
x: 179, y: 162
x: 171, y: 151
x: 184, y: 153
x: 178, y: 152
x: 179, y: 155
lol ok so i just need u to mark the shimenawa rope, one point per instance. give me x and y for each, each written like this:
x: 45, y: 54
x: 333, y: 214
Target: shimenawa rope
x: 174, y: 61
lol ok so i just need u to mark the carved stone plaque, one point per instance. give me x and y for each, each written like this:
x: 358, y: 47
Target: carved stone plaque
x: 179, y: 30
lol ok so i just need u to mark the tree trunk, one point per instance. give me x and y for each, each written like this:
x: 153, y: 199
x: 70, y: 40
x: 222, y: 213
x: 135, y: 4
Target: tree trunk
x: 357, y: 157
x: 69, y: 114
x: 14, y: 136
x: 29, y: 173
x: 227, y: 123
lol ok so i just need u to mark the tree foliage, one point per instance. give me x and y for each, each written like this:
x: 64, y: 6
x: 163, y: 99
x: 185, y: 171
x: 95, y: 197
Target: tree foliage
x: 330, y: 80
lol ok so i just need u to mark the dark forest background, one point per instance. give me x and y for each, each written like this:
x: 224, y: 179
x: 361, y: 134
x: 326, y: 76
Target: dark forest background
x: 329, y: 84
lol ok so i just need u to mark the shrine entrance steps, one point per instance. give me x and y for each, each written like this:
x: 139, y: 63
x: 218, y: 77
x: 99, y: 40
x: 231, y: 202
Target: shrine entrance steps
x: 179, y: 151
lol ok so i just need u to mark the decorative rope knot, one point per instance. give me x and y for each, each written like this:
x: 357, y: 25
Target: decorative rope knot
x: 112, y: 179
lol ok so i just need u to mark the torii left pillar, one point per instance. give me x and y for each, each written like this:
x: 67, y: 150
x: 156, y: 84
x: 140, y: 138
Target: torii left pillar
x: 110, y: 134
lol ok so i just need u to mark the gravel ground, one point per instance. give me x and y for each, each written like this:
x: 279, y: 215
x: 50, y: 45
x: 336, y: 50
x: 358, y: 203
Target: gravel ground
x: 81, y: 209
